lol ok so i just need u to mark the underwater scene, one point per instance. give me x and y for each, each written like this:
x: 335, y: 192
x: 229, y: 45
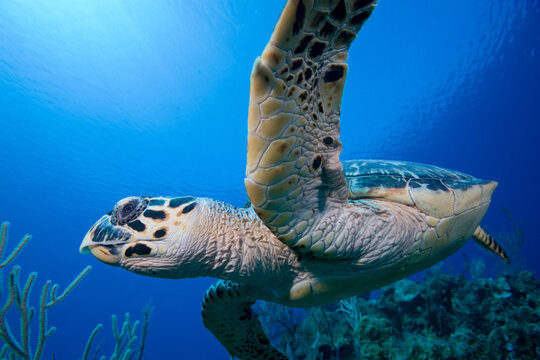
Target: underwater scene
x: 189, y: 179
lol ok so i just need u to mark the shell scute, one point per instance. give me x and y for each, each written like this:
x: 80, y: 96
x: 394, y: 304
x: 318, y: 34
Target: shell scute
x: 435, y: 191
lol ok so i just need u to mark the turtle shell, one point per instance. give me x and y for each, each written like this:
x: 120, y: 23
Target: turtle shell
x: 435, y: 191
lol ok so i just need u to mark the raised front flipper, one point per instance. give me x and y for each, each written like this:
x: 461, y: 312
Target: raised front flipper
x: 226, y: 312
x: 294, y: 177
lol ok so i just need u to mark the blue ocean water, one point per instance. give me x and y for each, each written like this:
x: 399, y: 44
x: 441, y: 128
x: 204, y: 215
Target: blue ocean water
x: 104, y: 99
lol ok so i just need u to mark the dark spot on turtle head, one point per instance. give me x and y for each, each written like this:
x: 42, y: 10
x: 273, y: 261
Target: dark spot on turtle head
x: 189, y: 207
x: 327, y: 29
x: 156, y: 202
x: 302, y: 45
x: 305, y: 108
x: 334, y: 73
x: 129, y: 251
x: 284, y: 70
x: 176, y: 202
x: 296, y: 64
x: 137, y: 225
x: 141, y: 249
x: 289, y: 77
x: 321, y: 109
x: 359, y: 19
x: 300, y: 17
x: 156, y: 215
x: 340, y: 12
x: 303, y: 96
x: 307, y: 73
x: 317, y: 161
x: 344, y: 39
x: 160, y: 233
x: 328, y: 140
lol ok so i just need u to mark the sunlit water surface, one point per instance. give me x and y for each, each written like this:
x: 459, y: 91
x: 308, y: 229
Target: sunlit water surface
x: 104, y: 99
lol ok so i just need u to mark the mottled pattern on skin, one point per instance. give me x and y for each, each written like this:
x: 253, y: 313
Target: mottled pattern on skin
x: 319, y: 230
x: 239, y: 246
x: 247, y: 338
x: 294, y: 178
x: 219, y: 240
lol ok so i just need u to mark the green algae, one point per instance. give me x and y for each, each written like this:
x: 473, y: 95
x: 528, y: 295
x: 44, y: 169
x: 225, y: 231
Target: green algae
x: 443, y: 317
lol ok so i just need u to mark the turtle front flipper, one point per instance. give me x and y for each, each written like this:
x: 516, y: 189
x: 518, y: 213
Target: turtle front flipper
x: 226, y: 312
x: 294, y: 177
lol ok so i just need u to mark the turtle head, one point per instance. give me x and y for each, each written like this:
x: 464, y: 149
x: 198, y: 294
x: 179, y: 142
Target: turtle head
x: 145, y: 235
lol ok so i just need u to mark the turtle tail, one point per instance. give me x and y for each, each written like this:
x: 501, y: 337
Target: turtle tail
x: 226, y: 312
x: 487, y: 241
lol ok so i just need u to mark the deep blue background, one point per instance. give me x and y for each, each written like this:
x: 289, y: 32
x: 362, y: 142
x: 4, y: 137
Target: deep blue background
x: 103, y: 99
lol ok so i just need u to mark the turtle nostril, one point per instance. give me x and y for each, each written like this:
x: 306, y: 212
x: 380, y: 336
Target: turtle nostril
x: 128, y: 209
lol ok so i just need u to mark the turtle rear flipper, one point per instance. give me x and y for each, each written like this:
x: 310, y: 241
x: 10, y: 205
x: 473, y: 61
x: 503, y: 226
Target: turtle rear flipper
x: 487, y: 241
x: 226, y: 312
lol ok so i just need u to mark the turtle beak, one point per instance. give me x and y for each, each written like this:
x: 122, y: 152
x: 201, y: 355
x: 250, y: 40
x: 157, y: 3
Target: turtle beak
x: 107, y: 255
x: 105, y: 240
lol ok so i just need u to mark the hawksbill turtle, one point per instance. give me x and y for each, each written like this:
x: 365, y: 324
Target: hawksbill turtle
x: 318, y: 229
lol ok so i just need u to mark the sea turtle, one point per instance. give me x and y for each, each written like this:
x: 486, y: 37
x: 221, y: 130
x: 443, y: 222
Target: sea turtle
x: 318, y: 230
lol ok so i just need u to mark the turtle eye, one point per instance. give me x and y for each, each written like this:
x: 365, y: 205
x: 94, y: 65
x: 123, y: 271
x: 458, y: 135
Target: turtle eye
x: 128, y: 209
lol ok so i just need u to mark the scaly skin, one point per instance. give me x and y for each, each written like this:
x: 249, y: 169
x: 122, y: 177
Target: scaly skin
x: 305, y: 243
x: 218, y: 240
x: 190, y: 237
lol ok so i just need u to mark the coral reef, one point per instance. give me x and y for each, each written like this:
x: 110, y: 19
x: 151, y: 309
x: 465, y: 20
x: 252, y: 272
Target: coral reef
x: 126, y: 346
x: 17, y: 298
x: 443, y: 317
